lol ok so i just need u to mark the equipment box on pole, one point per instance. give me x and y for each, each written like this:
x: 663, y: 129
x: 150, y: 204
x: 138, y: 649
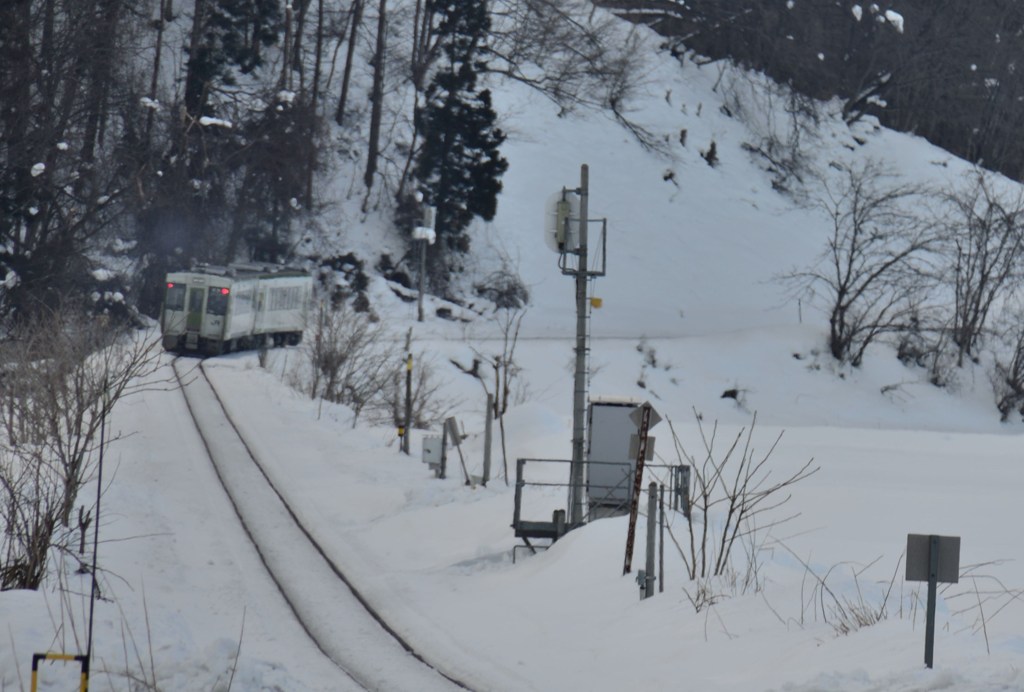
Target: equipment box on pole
x: 611, y: 454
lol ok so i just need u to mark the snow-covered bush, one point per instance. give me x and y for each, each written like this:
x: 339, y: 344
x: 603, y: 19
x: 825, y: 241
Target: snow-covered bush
x: 732, y: 497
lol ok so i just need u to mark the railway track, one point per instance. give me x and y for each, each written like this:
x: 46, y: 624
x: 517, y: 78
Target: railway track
x: 340, y: 622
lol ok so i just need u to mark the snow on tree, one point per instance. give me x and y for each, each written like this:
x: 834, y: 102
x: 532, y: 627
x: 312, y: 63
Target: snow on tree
x: 459, y: 165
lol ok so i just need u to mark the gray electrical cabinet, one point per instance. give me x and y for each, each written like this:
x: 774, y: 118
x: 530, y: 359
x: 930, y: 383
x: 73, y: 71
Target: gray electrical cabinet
x: 611, y: 454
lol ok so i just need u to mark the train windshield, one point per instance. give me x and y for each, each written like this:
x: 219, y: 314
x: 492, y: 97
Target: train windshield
x: 175, y: 299
x: 217, y: 301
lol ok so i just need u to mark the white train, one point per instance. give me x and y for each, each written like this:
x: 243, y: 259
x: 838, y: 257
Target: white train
x: 215, y: 310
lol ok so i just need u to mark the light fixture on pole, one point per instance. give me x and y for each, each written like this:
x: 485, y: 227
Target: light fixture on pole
x: 426, y: 235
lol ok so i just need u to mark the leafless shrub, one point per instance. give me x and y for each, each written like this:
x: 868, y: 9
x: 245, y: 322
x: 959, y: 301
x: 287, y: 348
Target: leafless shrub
x: 61, y: 375
x: 985, y: 598
x: 876, y: 262
x: 732, y: 490
x: 780, y: 120
x: 709, y: 590
x: 505, y: 371
x: 429, y: 407
x: 574, y: 55
x: 1007, y: 374
x: 844, y: 613
x: 981, y: 243
x: 350, y: 359
x: 505, y: 289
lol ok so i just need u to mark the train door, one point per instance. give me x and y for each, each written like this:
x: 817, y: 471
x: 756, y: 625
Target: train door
x: 194, y: 315
x: 194, y: 320
x: 218, y: 299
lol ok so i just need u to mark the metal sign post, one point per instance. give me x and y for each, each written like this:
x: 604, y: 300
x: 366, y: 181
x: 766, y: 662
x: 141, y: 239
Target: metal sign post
x: 932, y: 559
x: 645, y: 417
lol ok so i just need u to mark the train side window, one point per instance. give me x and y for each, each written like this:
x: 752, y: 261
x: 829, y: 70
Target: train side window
x: 243, y: 302
x: 175, y: 299
x: 217, y: 301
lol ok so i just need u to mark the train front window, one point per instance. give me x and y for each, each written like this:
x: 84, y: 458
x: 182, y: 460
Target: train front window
x: 175, y: 299
x: 217, y: 301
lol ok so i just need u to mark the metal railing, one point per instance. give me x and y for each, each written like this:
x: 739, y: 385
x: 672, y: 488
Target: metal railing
x: 603, y: 500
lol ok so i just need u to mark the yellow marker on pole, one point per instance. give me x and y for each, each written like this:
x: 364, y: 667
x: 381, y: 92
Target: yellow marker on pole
x: 82, y: 660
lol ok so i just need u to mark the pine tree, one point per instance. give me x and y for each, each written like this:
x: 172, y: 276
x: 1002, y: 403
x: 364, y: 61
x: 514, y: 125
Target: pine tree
x: 459, y: 166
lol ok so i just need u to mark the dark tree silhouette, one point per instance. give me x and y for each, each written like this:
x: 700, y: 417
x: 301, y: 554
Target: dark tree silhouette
x: 459, y: 165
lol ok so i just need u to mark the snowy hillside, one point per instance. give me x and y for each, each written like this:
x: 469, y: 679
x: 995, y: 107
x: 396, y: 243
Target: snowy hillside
x: 691, y: 307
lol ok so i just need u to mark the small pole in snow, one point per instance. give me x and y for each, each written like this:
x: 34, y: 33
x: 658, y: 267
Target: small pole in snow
x: 652, y: 521
x: 661, y: 539
x: 933, y: 579
x: 488, y: 417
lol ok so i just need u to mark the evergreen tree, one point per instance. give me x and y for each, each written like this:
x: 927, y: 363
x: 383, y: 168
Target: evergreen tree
x: 226, y: 35
x: 459, y: 166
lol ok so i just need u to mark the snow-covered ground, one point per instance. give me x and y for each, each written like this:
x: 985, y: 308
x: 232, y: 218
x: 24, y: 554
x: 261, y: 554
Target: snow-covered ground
x: 691, y: 307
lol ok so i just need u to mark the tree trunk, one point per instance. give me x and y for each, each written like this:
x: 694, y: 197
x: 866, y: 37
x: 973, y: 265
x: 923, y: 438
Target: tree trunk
x: 357, y: 18
x: 377, y: 98
x: 314, y: 104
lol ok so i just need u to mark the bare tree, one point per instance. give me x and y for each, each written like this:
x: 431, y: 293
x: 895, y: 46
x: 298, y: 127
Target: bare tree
x: 355, y: 21
x: 501, y: 381
x: 428, y: 406
x: 376, y: 98
x: 780, y: 119
x: 61, y: 377
x: 982, y: 240
x: 571, y: 54
x: 872, y: 270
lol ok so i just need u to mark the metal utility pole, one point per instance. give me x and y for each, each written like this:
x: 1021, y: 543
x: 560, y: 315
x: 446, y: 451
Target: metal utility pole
x: 94, y: 592
x: 579, y: 401
x: 424, y: 234
x: 566, y: 232
x: 652, y: 509
x: 423, y: 273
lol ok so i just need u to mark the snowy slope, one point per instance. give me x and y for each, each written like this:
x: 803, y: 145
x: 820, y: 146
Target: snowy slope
x: 691, y: 307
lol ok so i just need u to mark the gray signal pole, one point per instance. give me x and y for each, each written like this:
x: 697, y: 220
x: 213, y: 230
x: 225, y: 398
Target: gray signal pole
x: 579, y: 401
x: 566, y: 232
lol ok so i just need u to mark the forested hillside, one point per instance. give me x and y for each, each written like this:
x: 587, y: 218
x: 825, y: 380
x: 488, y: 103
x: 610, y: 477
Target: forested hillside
x: 945, y: 70
x: 142, y: 136
x: 173, y: 131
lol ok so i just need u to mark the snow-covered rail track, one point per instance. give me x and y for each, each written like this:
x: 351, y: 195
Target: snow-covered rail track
x: 338, y: 620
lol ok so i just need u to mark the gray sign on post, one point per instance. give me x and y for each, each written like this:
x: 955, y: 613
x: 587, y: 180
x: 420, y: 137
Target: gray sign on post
x: 948, y: 558
x: 932, y: 559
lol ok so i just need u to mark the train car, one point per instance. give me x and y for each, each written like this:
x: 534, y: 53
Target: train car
x: 213, y: 310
